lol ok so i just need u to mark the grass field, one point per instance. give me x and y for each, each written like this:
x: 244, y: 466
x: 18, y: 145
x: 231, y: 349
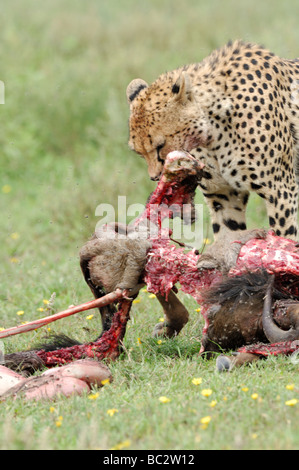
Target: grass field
x: 65, y: 66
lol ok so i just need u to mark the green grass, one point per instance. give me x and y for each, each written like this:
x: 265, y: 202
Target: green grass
x: 66, y: 65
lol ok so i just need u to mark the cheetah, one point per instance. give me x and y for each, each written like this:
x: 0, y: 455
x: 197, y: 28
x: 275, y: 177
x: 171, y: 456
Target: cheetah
x: 237, y: 111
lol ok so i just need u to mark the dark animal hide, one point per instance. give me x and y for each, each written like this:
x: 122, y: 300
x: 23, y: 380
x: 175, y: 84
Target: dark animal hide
x: 236, y: 314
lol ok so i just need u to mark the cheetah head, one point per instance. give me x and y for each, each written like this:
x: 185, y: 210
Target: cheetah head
x: 163, y: 117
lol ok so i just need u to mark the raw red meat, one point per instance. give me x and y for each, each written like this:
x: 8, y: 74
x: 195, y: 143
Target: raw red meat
x: 169, y: 264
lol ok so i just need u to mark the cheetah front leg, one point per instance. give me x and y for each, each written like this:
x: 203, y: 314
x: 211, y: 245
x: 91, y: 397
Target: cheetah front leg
x: 228, y: 211
x: 228, y: 214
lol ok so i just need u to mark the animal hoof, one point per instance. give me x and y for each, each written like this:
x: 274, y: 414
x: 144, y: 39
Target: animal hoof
x: 163, y: 329
x: 223, y: 364
x: 159, y: 330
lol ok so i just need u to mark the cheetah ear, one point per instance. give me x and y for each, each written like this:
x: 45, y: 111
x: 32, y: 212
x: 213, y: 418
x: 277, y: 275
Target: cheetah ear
x: 134, y: 88
x: 182, y: 88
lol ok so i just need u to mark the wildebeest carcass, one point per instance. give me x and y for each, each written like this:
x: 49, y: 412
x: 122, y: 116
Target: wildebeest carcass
x: 249, y: 295
x: 247, y: 309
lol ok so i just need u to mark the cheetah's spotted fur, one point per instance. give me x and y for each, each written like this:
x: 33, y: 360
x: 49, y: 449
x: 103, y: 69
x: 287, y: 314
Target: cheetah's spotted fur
x: 238, y: 112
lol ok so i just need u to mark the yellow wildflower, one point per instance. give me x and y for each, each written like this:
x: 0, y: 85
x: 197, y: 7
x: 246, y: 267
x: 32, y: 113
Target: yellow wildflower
x: 15, y: 235
x: 59, y: 421
x: 254, y: 435
x: 244, y: 389
x: 206, y: 392
x: 93, y: 396
x: 136, y: 301
x: 198, y: 309
x: 139, y: 341
x: 197, y: 380
x: 164, y: 399
x: 14, y: 260
x: 46, y: 302
x: 122, y: 445
x: 159, y: 341
x: 6, y: 189
x: 89, y: 317
x: 290, y: 386
x: 254, y: 396
x: 292, y: 402
x: 40, y: 309
x: 105, y: 381
x: 161, y: 320
x: 2, y: 329
x: 52, y: 409
x: 205, y: 420
x: 20, y: 312
x: 112, y: 411
x: 213, y: 403
x: 152, y: 296
x: 192, y: 410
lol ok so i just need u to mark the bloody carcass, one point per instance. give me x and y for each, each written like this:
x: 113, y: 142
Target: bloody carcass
x: 250, y: 295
